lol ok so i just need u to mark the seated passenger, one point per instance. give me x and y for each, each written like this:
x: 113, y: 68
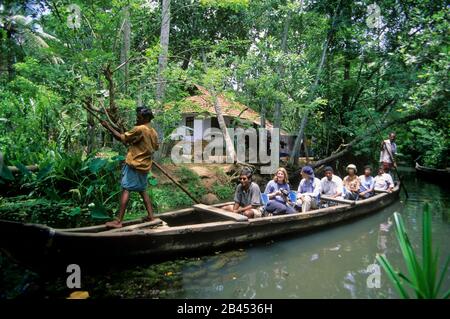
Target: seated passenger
x: 277, y: 190
x: 331, y: 185
x: 308, y: 193
x: 383, y: 181
x: 367, y: 183
x: 247, y: 197
x: 351, y: 183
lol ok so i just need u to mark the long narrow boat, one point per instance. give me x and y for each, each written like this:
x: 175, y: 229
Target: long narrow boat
x: 200, y: 228
x: 435, y: 175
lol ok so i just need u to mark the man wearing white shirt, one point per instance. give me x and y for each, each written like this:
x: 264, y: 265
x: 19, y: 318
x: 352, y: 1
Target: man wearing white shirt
x: 388, y: 152
x: 331, y: 184
x: 308, y: 193
x: 383, y: 181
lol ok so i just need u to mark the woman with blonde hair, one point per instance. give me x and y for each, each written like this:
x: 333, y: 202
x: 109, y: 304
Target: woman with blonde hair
x: 277, y: 190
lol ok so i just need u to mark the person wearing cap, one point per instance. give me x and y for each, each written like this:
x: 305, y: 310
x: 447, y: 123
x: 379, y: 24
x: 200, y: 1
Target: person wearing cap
x: 351, y: 183
x: 383, y: 181
x: 331, y: 184
x: 308, y: 193
x: 247, y: 197
x: 142, y: 142
x: 367, y: 183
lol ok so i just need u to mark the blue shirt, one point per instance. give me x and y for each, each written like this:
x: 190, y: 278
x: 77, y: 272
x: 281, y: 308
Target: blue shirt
x: 366, y: 183
x: 310, y: 187
x: 273, y: 186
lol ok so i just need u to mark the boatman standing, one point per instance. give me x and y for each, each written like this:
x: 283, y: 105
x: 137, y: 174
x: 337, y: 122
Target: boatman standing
x: 142, y: 142
x: 388, y: 152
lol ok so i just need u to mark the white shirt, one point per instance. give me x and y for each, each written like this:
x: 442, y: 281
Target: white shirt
x: 389, y: 150
x: 383, y: 182
x: 314, y: 192
x: 331, y: 188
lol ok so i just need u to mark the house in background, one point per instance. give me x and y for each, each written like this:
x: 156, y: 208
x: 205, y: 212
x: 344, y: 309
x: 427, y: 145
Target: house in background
x: 198, y: 115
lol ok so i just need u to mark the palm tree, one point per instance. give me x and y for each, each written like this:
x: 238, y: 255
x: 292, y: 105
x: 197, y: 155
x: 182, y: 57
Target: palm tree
x: 22, y: 32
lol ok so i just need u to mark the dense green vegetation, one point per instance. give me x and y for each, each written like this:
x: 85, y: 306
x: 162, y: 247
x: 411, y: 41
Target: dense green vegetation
x: 324, y: 70
x: 90, y: 194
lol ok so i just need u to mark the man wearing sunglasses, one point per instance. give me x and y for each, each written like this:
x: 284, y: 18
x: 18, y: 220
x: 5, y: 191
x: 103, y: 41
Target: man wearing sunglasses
x: 247, y: 198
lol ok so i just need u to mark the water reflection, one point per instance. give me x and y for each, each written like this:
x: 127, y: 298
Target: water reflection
x: 382, y: 235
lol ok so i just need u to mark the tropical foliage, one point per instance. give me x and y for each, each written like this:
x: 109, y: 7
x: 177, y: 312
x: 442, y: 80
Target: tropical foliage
x: 332, y: 72
x: 423, y: 277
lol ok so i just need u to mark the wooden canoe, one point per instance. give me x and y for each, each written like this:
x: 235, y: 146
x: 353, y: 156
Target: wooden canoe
x: 435, y: 175
x: 200, y: 228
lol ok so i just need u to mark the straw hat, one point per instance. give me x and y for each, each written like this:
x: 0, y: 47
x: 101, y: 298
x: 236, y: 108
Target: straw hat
x: 353, y: 166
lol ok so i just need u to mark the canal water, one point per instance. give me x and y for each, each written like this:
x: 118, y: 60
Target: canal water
x: 334, y: 262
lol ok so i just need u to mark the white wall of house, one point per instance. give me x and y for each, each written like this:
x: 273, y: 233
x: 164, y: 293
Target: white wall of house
x: 201, y: 124
x: 198, y: 124
x: 198, y: 129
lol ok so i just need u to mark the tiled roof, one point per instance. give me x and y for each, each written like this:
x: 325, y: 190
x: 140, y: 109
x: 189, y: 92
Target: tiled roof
x: 202, y: 102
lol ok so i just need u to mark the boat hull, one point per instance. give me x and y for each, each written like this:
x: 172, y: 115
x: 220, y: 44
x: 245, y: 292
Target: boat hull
x: 437, y: 176
x: 45, y: 249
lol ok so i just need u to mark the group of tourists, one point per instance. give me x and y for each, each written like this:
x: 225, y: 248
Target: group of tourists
x: 277, y: 199
x: 249, y: 200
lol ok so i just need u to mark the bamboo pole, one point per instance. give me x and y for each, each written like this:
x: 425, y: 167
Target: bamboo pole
x: 158, y: 167
x: 176, y: 183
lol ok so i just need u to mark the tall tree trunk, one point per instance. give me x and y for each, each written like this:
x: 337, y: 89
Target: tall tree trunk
x: 263, y: 114
x: 229, y: 145
x: 277, y: 113
x: 10, y: 58
x: 139, y: 95
x: 377, y: 83
x: 162, y: 64
x: 186, y: 60
x: 345, y: 93
x: 298, y: 141
x: 164, y: 46
x: 90, y: 132
x: 305, y: 147
x: 125, y: 51
x: 113, y: 111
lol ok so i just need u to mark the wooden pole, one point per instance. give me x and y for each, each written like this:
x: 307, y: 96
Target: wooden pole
x: 402, y: 185
x: 158, y: 167
x: 338, y: 200
x: 92, y: 113
x: 176, y: 183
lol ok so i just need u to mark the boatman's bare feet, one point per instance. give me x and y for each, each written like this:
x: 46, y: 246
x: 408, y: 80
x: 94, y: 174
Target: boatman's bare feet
x: 114, y: 224
x: 148, y: 218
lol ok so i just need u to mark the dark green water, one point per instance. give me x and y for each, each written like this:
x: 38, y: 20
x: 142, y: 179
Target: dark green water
x: 327, y: 264
x: 332, y: 263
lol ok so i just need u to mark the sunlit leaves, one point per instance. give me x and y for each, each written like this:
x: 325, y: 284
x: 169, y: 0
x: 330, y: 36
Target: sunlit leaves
x: 228, y: 4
